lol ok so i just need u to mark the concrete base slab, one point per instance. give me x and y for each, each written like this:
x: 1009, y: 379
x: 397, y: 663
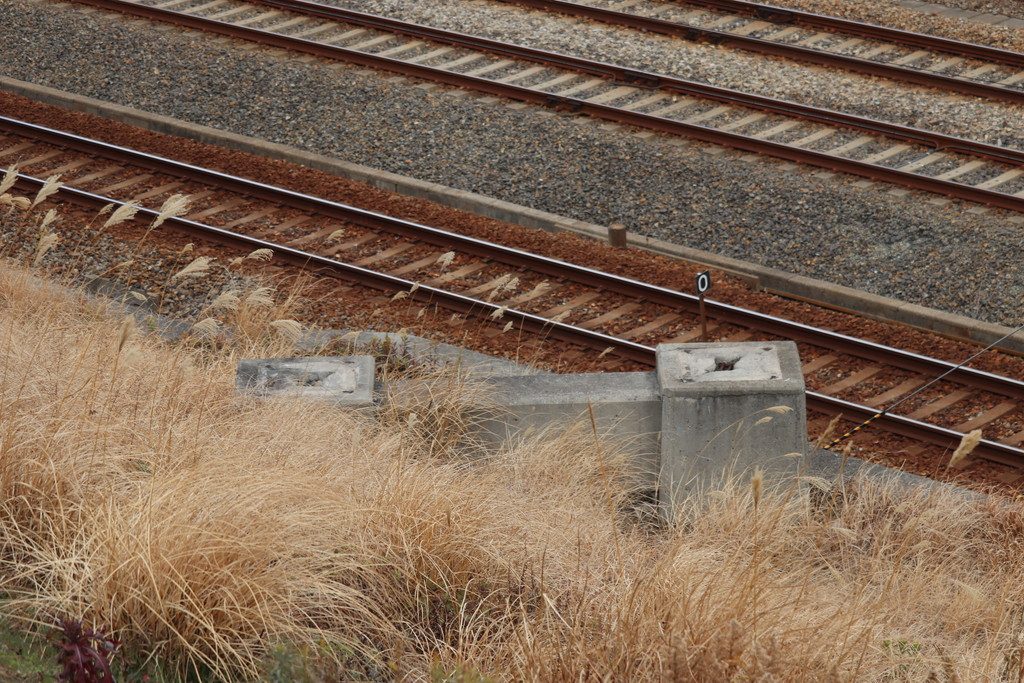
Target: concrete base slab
x: 626, y: 408
x: 726, y: 410
x: 345, y: 381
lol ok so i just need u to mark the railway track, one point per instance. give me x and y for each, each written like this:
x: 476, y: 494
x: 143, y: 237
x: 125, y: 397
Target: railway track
x: 540, y: 295
x: 919, y: 159
x: 955, y: 66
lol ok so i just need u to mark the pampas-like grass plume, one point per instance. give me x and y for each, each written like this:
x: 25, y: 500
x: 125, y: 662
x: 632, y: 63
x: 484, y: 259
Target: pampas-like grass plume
x: 757, y: 486
x: 46, y: 242
x: 261, y: 296
x: 499, y: 313
x: 125, y: 333
x: 967, y: 445
x: 49, y: 188
x: 336, y: 235
x: 23, y: 203
x: 826, y: 436
x: 226, y: 301
x: 174, y: 206
x: 10, y: 177
x: 199, y: 266
x: 400, y: 295
x: 48, y: 219
x: 289, y: 329
x: 445, y: 259
x: 123, y: 213
x: 779, y: 410
x: 508, y: 326
x: 606, y: 352
x: 141, y: 298
x: 207, y: 327
x: 262, y: 255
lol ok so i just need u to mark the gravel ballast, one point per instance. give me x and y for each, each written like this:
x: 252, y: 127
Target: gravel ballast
x: 827, y: 227
x: 976, y: 118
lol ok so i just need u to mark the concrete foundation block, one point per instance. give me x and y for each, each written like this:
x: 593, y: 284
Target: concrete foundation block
x: 344, y: 381
x: 728, y: 408
x: 626, y: 407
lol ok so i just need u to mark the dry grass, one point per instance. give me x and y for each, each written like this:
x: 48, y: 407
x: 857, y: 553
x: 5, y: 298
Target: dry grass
x: 137, y: 491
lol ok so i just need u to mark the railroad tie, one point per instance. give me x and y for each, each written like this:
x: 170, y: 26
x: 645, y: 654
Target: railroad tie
x: 157, y: 191
x: 712, y: 113
x: 611, y: 95
x: 258, y: 17
x: 940, y: 404
x: 851, y: 145
x: 15, y: 149
x: 1001, y: 179
x: 750, y: 27
x: 815, y: 364
x: 134, y: 180
x: 419, y: 264
x: 989, y: 415
x: 45, y: 156
x: 447, y: 66
x: 901, y: 389
x: 520, y: 75
x: 568, y: 306
x: 693, y: 333
x: 961, y: 170
x: 96, y: 175
x: 851, y: 380
x: 404, y: 47
x: 610, y: 316
x: 313, y: 30
x: 912, y: 57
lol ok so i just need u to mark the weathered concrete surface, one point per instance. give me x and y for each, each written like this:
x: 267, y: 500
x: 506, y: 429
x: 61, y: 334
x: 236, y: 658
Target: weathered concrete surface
x: 626, y: 408
x: 420, y: 350
x: 345, y: 381
x: 726, y: 409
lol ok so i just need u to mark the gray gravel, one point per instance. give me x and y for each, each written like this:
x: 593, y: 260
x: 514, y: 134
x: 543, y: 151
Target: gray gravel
x: 830, y: 228
x: 994, y: 122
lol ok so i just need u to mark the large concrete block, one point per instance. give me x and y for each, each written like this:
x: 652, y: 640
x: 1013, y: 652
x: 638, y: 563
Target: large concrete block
x: 726, y: 409
x: 626, y: 408
x: 345, y: 381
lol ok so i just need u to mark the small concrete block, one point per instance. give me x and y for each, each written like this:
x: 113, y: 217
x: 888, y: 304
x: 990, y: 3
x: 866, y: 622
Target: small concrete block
x: 863, y: 184
x: 977, y: 210
x: 626, y: 407
x: 899, y: 192
x: 728, y: 408
x: 346, y: 381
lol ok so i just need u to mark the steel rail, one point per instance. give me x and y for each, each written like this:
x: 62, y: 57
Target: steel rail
x: 767, y: 47
x: 786, y: 15
x: 763, y: 322
x: 535, y: 324
x: 739, y: 141
x: 649, y: 79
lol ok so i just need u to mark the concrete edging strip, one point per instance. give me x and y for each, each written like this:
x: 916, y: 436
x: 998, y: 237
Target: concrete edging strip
x: 771, y: 279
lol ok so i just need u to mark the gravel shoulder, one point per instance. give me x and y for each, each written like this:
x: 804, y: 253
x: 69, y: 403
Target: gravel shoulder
x: 994, y: 122
x: 894, y: 244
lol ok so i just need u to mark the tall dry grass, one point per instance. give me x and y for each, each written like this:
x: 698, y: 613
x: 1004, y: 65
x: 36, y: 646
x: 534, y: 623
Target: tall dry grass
x: 137, y: 491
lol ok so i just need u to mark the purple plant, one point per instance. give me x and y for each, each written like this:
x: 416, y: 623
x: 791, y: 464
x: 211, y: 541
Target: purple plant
x: 84, y: 653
